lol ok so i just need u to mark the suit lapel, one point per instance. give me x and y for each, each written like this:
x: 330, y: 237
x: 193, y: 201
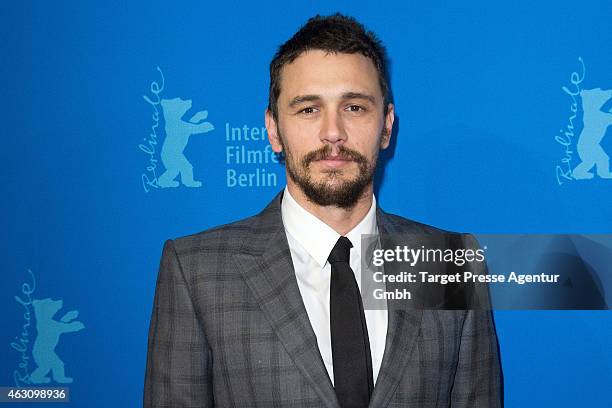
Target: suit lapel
x: 267, y: 268
x: 402, y: 331
x: 266, y: 265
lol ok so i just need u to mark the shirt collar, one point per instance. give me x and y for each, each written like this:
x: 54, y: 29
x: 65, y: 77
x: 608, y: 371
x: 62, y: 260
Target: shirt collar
x: 316, y: 237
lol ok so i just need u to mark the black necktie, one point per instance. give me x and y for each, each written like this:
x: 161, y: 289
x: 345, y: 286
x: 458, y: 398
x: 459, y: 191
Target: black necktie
x: 349, y: 335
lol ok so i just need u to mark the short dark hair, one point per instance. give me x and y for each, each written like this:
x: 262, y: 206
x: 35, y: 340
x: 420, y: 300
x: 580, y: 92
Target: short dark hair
x: 335, y: 34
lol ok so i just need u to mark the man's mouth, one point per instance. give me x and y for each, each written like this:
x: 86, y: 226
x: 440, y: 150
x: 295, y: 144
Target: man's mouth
x: 335, y: 161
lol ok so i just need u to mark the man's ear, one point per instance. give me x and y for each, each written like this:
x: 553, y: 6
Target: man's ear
x: 388, y: 127
x: 273, y: 135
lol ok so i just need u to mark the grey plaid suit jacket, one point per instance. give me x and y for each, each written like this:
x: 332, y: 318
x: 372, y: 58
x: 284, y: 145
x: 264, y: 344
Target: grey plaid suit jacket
x: 229, y: 329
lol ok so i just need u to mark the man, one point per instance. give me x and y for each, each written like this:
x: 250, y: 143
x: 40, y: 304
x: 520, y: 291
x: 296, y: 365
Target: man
x: 266, y: 312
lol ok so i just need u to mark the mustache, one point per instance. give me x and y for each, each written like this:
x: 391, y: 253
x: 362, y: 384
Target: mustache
x: 324, y: 153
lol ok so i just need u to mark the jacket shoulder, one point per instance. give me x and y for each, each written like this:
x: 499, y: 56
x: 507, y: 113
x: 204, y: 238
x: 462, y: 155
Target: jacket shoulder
x: 398, y: 225
x: 401, y: 224
x: 227, y: 237
x: 237, y: 236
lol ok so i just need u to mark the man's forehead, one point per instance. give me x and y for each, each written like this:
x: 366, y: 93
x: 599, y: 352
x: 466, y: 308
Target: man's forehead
x: 322, y: 72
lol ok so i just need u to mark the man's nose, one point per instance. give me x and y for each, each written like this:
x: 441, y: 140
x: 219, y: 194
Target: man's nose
x: 332, y: 130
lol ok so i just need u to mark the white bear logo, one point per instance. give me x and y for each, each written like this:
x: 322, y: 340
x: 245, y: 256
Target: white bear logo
x: 596, y: 122
x: 49, y: 331
x: 178, y: 132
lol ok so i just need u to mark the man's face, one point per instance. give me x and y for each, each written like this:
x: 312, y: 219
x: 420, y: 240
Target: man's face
x: 330, y: 125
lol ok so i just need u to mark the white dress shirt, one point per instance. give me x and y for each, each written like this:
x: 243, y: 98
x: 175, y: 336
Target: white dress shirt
x: 311, y: 241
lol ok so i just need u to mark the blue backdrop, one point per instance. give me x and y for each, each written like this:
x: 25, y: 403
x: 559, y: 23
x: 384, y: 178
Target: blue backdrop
x: 492, y: 100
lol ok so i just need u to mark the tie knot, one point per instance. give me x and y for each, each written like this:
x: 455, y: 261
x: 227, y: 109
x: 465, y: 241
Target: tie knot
x: 341, y: 251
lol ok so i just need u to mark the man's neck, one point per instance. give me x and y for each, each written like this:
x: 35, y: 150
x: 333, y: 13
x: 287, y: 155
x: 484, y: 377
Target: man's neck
x: 342, y: 220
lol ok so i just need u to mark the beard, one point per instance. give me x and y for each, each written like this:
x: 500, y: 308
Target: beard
x: 332, y: 189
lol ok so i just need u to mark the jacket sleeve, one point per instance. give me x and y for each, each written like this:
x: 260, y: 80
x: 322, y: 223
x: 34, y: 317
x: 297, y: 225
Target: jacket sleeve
x: 178, y: 371
x: 477, y: 382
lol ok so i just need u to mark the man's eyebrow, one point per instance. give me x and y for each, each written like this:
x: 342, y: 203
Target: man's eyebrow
x: 303, y: 98
x: 359, y: 95
x: 347, y: 95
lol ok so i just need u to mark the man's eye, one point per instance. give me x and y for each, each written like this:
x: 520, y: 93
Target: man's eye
x: 355, y: 108
x: 308, y: 111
